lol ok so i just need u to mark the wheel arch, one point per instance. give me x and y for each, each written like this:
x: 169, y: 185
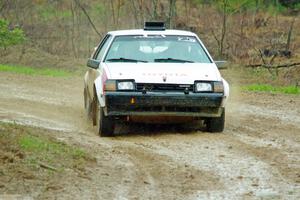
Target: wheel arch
x: 99, y: 91
x: 226, y: 92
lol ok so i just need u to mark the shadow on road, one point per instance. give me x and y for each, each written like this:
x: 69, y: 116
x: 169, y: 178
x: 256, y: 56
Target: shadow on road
x: 145, y: 129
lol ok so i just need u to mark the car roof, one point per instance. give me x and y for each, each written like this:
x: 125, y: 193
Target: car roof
x: 151, y: 32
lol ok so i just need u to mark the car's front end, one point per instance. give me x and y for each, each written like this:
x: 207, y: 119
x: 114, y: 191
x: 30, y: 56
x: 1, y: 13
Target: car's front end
x: 154, y: 73
x: 157, y: 92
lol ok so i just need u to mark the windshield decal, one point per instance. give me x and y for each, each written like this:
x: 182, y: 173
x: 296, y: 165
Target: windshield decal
x: 186, y: 39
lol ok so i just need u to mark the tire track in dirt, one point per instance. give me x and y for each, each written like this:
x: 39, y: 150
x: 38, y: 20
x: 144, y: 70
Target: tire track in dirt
x: 241, y: 172
x: 161, y: 177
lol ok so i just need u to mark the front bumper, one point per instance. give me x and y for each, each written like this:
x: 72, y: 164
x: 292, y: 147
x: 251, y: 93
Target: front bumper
x: 163, y: 104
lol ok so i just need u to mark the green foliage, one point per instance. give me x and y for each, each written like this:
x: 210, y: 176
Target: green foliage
x: 99, y: 11
x: 233, y: 6
x: 43, y: 145
x: 50, y: 12
x: 99, y: 8
x: 290, y: 3
x: 272, y: 89
x: 209, y: 2
x: 275, y: 9
x: 38, y: 148
x: 34, y: 71
x: 10, y: 37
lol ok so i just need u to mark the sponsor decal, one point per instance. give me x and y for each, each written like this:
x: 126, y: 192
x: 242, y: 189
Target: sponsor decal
x: 164, y: 74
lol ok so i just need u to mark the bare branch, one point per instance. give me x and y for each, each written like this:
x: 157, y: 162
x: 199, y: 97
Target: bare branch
x: 269, y: 66
x: 2, y: 8
x: 288, y: 42
x: 261, y: 56
x: 88, y: 17
x: 273, y: 58
x: 216, y: 38
x: 113, y: 11
x: 45, y: 166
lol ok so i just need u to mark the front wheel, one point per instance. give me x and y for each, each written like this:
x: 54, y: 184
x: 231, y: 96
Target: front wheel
x: 104, y: 124
x: 87, y: 104
x: 216, y: 124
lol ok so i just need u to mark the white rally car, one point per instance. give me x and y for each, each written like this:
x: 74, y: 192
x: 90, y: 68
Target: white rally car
x: 153, y: 73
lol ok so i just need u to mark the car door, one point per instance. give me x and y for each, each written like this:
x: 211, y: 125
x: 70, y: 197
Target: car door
x: 98, y: 56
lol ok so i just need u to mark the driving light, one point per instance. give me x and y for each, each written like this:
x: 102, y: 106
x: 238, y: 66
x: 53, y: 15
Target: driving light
x: 110, y: 85
x: 203, y: 87
x: 125, y: 85
x: 218, y: 87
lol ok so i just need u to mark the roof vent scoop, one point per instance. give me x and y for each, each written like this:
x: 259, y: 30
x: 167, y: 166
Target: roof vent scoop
x: 154, y: 26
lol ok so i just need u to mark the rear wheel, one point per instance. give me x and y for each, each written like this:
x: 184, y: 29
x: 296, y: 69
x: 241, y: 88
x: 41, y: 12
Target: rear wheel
x: 216, y: 124
x: 104, y: 124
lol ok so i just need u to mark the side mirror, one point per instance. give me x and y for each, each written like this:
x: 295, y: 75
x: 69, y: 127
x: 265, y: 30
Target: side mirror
x: 92, y: 63
x: 221, y: 64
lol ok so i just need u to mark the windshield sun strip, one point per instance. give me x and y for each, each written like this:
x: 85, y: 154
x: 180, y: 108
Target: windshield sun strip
x: 143, y: 36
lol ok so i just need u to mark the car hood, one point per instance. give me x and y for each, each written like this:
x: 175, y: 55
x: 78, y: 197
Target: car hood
x: 172, y: 73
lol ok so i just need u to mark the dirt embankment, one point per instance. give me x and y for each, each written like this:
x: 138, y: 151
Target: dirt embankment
x: 257, y: 156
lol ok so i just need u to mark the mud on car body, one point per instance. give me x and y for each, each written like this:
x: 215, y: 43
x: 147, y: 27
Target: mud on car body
x: 153, y: 72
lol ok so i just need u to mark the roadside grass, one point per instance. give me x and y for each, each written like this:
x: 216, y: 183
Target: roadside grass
x: 39, y: 150
x: 271, y: 89
x: 34, y: 71
x: 43, y: 145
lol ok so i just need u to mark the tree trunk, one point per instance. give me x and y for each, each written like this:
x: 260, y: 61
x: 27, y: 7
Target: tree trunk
x: 288, y: 42
x: 172, y: 13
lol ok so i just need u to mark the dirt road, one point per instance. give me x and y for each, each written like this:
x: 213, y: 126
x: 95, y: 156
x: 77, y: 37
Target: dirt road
x: 256, y: 157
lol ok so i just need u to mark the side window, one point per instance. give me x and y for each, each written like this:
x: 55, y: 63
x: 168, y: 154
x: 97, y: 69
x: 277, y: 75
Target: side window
x: 102, y: 47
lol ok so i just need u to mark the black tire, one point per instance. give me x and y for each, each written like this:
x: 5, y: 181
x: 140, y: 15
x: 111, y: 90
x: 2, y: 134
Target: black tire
x: 216, y: 124
x: 104, y: 124
x: 87, y: 104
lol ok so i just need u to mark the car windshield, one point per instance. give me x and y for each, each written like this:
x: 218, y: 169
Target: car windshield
x: 157, y: 48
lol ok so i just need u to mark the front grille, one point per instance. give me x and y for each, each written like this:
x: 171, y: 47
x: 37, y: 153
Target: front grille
x: 163, y: 87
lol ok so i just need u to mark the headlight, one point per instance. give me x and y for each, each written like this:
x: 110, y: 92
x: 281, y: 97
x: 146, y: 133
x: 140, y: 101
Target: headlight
x: 125, y: 85
x: 203, y: 87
